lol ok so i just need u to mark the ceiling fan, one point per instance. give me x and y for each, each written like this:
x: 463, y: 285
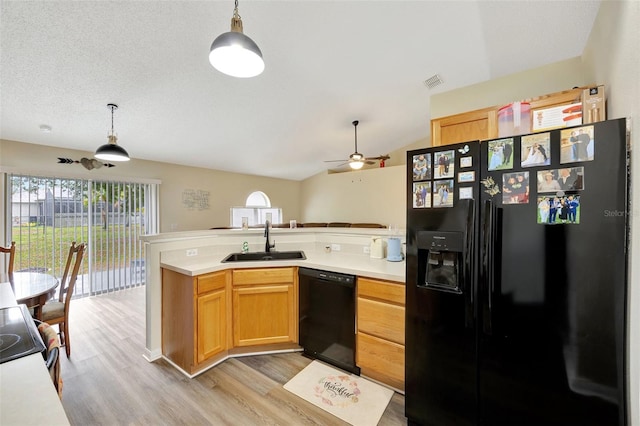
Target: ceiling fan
x: 357, y: 160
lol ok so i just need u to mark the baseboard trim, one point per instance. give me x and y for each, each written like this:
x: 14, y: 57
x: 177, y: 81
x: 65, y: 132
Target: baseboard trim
x: 151, y: 356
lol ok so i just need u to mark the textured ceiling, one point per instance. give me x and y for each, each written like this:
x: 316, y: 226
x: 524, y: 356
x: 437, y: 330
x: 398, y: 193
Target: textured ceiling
x: 327, y: 64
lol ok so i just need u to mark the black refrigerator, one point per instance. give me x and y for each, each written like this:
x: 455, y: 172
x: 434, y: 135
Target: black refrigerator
x: 516, y: 279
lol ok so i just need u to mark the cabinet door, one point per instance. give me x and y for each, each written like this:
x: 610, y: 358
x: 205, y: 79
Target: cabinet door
x: 381, y: 360
x: 474, y: 125
x: 212, y: 324
x: 264, y: 314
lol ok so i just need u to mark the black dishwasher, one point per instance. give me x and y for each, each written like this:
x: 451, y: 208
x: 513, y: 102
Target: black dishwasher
x: 328, y: 317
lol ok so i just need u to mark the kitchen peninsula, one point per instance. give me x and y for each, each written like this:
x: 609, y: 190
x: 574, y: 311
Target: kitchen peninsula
x: 191, y: 261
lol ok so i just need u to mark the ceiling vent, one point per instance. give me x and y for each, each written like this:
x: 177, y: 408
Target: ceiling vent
x: 433, y: 81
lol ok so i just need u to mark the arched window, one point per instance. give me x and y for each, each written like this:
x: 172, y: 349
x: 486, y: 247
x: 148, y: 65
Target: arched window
x: 258, y: 199
x: 256, y: 211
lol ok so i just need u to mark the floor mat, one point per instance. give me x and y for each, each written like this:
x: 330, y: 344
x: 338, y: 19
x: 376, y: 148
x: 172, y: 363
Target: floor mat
x: 352, y: 398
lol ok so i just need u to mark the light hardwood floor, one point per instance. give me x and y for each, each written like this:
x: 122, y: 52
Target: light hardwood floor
x: 108, y: 382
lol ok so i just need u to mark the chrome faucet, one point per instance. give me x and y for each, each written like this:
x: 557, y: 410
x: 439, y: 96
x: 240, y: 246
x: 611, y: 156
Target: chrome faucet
x: 268, y: 246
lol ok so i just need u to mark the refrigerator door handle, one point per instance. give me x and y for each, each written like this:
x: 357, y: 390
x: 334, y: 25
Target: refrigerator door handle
x: 488, y: 230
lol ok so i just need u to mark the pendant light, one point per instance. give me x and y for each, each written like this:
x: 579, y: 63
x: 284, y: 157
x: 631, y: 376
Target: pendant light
x: 112, y: 151
x: 235, y: 54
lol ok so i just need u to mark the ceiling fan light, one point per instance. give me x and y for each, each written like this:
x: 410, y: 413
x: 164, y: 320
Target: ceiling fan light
x: 356, y: 165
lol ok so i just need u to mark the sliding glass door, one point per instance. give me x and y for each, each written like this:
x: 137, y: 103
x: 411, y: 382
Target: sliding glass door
x: 47, y: 214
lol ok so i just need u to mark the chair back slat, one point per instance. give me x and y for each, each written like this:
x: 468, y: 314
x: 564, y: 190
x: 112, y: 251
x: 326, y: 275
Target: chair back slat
x: 11, y: 250
x: 70, y: 274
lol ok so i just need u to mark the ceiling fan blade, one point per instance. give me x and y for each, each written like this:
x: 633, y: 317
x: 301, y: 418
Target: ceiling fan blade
x: 334, y: 161
x: 379, y: 157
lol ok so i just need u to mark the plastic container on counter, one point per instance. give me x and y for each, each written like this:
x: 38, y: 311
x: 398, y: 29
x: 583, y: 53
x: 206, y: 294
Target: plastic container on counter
x: 514, y: 119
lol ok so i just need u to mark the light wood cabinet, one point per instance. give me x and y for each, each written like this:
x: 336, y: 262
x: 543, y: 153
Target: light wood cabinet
x: 265, y: 306
x: 226, y: 313
x: 196, y: 322
x: 468, y: 126
x: 482, y: 124
x: 380, y: 324
x: 212, y: 320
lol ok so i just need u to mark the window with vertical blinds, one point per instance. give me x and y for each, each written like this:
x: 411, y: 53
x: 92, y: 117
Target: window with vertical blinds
x: 47, y: 214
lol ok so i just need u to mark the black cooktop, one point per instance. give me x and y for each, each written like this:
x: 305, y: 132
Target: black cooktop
x: 18, y: 334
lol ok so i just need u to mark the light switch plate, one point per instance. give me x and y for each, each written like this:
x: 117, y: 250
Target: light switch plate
x: 192, y: 252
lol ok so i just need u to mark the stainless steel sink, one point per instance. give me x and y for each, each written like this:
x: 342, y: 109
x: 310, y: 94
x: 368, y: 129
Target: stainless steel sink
x: 258, y: 256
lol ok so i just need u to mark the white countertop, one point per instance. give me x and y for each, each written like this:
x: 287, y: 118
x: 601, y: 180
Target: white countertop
x: 333, y: 261
x: 27, y: 394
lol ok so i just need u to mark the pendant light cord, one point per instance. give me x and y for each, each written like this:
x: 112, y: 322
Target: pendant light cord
x: 236, y: 14
x: 112, y: 107
x: 111, y: 120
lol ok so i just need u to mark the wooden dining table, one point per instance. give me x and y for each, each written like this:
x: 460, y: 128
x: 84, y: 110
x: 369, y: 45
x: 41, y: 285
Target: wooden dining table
x: 32, y: 289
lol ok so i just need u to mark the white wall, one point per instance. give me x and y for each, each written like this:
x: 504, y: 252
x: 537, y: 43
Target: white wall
x: 612, y: 58
x: 539, y: 81
x: 371, y: 195
x: 225, y: 189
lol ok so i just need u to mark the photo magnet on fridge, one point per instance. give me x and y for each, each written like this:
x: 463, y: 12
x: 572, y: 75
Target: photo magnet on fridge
x: 444, y: 162
x: 577, y: 144
x: 553, y: 210
x: 515, y: 188
x: 442, y: 193
x: 466, y: 176
x: 422, y: 167
x: 421, y: 195
x: 466, y: 192
x: 535, y: 150
x: 565, y: 179
x: 500, y: 154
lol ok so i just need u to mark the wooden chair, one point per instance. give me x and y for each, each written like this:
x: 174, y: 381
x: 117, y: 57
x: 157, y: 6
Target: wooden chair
x: 11, y: 250
x: 52, y: 354
x: 57, y: 311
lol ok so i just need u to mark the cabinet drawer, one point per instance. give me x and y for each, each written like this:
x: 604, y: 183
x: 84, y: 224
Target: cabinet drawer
x: 213, y: 281
x: 381, y: 359
x: 263, y: 276
x: 381, y: 319
x: 383, y: 290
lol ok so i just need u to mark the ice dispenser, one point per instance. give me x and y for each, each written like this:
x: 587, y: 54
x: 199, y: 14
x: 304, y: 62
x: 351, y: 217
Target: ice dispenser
x: 441, y: 257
